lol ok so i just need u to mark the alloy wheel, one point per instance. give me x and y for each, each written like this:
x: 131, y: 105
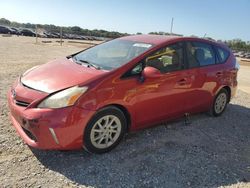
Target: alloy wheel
x: 105, y: 131
x: 220, y: 103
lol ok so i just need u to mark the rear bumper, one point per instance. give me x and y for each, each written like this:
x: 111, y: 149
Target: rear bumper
x: 50, y: 128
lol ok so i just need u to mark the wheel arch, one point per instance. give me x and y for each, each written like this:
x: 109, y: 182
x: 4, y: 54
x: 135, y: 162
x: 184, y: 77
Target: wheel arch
x: 123, y: 109
x: 227, y: 88
x: 228, y: 91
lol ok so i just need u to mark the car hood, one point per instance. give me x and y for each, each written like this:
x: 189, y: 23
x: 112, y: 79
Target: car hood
x: 58, y: 75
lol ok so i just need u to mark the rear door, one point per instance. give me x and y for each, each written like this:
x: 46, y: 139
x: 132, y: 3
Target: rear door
x: 205, y: 74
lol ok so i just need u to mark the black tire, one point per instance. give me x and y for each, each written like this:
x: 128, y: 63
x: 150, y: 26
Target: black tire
x: 110, y: 110
x: 213, y: 111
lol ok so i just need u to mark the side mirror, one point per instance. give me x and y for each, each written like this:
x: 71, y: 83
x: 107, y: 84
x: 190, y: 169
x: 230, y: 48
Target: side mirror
x: 149, y: 72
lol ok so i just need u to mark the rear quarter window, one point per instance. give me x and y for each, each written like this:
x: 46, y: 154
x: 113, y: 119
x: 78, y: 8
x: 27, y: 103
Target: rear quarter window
x: 223, y: 54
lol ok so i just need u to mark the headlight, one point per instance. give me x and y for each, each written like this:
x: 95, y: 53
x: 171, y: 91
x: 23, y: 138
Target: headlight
x: 64, y: 98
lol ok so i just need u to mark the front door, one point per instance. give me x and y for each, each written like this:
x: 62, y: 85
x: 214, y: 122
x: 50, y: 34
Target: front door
x: 158, y: 99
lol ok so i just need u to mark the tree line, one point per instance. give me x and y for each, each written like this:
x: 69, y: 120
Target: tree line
x: 239, y: 45
x: 69, y: 30
x: 235, y: 44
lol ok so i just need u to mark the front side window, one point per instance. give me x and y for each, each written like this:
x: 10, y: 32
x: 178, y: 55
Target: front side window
x: 200, y: 54
x: 167, y: 59
x: 135, y: 71
x: 112, y: 54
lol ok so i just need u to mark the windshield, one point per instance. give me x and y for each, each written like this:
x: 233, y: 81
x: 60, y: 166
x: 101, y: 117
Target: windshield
x: 112, y: 54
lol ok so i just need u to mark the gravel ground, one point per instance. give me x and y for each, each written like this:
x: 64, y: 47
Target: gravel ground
x: 211, y: 152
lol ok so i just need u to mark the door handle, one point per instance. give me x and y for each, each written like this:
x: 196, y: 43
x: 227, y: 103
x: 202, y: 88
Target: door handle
x: 218, y: 74
x: 182, y: 82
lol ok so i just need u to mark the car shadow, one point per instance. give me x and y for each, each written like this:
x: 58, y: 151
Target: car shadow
x: 210, y: 152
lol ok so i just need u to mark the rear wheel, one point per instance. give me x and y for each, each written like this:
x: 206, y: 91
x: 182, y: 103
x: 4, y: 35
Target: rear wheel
x: 220, y: 102
x: 105, y: 130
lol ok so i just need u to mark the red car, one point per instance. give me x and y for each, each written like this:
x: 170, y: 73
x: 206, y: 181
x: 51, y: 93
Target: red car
x: 90, y: 99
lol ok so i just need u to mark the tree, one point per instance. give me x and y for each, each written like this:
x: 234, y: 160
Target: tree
x: 4, y: 21
x: 76, y: 30
x: 238, y: 44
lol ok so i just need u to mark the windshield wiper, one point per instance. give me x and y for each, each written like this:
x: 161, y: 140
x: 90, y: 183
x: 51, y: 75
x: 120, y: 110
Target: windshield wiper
x: 90, y: 64
x: 79, y: 61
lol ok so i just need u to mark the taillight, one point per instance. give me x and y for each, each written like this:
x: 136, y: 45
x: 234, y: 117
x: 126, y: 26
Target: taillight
x: 235, y: 70
x: 237, y: 65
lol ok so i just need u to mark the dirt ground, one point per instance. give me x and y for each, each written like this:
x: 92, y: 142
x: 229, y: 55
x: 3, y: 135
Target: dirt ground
x: 211, y: 152
x: 244, y: 78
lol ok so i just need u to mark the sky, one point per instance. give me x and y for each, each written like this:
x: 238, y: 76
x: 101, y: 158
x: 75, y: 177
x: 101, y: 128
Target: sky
x: 219, y: 19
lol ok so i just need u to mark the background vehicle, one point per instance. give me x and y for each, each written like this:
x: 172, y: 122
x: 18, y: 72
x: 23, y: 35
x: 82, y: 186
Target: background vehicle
x: 27, y: 32
x: 7, y: 30
x: 92, y: 98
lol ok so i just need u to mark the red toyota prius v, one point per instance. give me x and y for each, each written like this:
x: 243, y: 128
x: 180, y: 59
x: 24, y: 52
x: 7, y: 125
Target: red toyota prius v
x: 91, y: 98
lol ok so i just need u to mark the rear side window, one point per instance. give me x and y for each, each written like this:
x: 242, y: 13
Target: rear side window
x: 200, y: 54
x: 223, y: 54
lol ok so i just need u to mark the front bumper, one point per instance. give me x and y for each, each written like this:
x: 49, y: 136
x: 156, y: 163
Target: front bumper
x: 50, y: 128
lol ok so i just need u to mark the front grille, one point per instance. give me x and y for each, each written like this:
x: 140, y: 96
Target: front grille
x: 21, y: 103
x: 29, y: 134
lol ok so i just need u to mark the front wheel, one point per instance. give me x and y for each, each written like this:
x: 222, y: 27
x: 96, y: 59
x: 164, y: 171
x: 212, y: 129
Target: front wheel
x: 220, y: 103
x: 105, y: 130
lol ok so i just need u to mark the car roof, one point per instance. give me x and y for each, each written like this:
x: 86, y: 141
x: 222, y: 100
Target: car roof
x: 151, y: 39
x: 161, y: 39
